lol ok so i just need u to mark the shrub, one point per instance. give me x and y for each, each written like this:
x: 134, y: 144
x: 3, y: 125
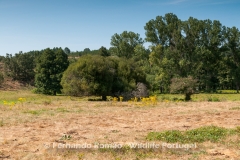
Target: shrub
x: 185, y: 86
x: 102, y: 76
x: 202, y: 134
x: 213, y: 99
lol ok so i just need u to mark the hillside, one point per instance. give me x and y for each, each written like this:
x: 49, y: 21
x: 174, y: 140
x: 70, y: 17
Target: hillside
x: 8, y: 83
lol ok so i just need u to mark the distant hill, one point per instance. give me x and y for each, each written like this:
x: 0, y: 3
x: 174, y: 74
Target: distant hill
x: 8, y: 83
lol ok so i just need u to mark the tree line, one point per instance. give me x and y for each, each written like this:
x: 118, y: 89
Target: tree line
x: 204, y: 50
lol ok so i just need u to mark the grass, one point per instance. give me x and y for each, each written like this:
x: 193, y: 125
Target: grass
x: 14, y: 95
x: 63, y: 110
x: 59, y: 114
x: 227, y: 91
x: 36, y: 112
x: 47, y: 100
x: 66, y: 137
x: 50, y: 111
x: 235, y: 108
x: 201, y: 97
x: 199, y: 135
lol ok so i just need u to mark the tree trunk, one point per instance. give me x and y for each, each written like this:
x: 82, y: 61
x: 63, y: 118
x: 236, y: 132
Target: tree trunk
x: 104, y: 98
x: 160, y: 89
x: 237, y: 87
x: 187, y: 97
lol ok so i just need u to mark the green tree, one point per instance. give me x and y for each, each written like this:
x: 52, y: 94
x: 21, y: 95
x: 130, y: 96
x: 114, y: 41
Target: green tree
x: 125, y: 43
x: 101, y: 76
x: 86, y: 50
x: 233, y: 54
x: 50, y: 67
x: 90, y: 75
x: 185, y: 86
x: 163, y: 68
x: 164, y: 30
x: 2, y: 58
x: 140, y: 52
x: 212, y: 36
x: 193, y: 47
x: 67, y: 50
x: 168, y: 57
x: 128, y: 75
x: 20, y: 67
x: 104, y: 52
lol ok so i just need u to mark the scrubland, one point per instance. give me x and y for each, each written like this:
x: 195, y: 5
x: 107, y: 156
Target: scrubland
x: 34, y: 126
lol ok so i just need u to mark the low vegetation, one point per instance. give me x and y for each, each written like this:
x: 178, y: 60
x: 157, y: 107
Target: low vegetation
x: 199, y: 135
x: 64, y: 119
x: 185, y: 86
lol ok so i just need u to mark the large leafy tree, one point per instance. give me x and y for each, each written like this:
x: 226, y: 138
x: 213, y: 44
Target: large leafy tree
x: 123, y: 44
x: 162, y: 68
x: 50, y: 66
x: 212, y: 41
x: 102, y: 76
x: 233, y: 54
x: 185, y: 86
x: 165, y: 31
x: 193, y: 47
x: 168, y: 57
x: 90, y: 75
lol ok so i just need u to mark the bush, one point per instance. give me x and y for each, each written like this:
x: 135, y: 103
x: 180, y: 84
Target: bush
x: 213, y: 99
x: 185, y: 86
x: 36, y: 91
x: 102, y: 76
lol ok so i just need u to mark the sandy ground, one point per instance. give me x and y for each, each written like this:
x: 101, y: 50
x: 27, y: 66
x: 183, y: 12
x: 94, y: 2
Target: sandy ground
x: 34, y: 136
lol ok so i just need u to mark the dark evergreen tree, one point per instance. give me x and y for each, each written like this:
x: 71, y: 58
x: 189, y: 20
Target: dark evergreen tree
x: 50, y: 67
x: 20, y: 67
x: 103, y: 52
x: 67, y: 50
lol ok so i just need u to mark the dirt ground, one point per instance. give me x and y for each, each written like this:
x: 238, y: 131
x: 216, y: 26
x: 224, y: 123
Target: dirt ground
x: 35, y: 136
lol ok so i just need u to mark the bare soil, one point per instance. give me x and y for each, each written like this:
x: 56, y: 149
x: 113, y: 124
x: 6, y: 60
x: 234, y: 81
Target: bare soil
x: 9, y: 84
x: 30, y: 136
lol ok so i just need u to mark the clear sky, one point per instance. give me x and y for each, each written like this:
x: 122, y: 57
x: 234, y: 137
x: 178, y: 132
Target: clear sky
x: 77, y: 24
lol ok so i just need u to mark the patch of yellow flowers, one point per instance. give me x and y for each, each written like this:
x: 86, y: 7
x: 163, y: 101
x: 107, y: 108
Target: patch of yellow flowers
x: 114, y: 99
x: 144, y: 101
x: 11, y: 104
x: 150, y: 100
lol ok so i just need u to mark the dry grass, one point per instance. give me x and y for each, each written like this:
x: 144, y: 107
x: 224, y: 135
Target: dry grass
x: 28, y: 128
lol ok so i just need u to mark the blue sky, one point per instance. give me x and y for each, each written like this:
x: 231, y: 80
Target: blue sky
x: 77, y: 24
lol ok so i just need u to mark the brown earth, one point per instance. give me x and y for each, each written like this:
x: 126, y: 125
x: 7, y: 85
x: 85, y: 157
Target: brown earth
x: 29, y: 136
x: 9, y: 84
